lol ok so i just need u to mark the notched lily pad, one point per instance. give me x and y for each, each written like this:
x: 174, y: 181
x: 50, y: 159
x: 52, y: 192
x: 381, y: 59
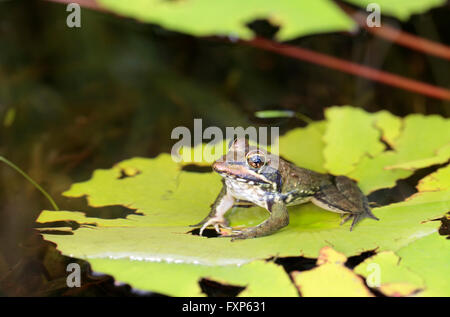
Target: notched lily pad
x: 150, y: 249
x: 331, y: 278
x: 230, y: 18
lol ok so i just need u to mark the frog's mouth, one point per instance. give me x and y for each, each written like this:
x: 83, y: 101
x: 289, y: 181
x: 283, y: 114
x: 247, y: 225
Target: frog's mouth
x: 240, y: 172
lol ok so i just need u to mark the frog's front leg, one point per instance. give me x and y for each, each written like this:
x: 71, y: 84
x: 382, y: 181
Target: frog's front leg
x: 215, y: 218
x: 279, y: 218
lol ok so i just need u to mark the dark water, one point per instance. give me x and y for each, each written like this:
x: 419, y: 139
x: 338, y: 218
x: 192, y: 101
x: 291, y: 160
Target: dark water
x: 74, y: 100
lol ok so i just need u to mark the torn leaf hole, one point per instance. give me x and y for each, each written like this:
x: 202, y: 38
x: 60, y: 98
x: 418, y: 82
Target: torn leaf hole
x: 103, y: 285
x: 263, y: 28
x: 355, y: 260
x: 444, y: 229
x: 215, y: 289
x: 403, y: 189
x: 296, y: 263
x: 208, y: 233
x: 196, y: 168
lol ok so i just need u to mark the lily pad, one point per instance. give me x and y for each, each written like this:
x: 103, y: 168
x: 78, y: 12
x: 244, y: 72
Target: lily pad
x: 229, y: 18
x: 316, y: 282
x: 420, y: 268
x: 394, y: 278
x: 411, y: 150
x: 350, y: 135
x: 182, y: 279
x: 167, y: 199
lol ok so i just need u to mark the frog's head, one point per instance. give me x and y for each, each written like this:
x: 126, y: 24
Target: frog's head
x: 249, y: 164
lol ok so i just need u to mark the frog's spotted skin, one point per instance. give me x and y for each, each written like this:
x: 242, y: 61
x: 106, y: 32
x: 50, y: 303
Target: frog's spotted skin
x: 253, y: 176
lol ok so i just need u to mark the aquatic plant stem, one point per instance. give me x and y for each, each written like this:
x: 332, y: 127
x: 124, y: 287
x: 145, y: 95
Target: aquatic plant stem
x: 28, y: 178
x: 350, y: 67
x: 397, y: 36
x: 334, y: 62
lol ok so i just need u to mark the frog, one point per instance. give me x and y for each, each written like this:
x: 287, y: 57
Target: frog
x: 253, y: 176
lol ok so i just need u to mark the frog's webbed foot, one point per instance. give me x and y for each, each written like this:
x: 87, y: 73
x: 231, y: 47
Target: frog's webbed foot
x: 216, y: 222
x: 278, y: 219
x: 216, y: 217
x: 245, y: 233
x: 345, y: 197
x: 357, y: 217
x: 345, y: 218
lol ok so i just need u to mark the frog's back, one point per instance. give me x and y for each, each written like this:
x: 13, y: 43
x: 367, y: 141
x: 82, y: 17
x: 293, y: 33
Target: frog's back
x: 302, y: 179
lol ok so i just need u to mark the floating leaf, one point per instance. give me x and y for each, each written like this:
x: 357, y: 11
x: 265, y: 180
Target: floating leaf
x: 168, y: 199
x: 440, y: 180
x: 230, y: 18
x: 429, y: 258
x: 420, y: 267
x: 422, y: 142
x: 350, y: 135
x: 389, y: 125
x: 182, y: 279
x: 394, y: 278
x: 331, y: 278
x: 305, y: 147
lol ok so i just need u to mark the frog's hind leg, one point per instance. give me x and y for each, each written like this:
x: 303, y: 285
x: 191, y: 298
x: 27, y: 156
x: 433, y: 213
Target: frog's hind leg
x: 345, y: 197
x: 357, y: 217
x: 345, y: 218
x: 278, y: 219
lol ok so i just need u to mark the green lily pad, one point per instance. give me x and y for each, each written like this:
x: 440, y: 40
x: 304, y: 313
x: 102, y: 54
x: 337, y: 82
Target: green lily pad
x: 438, y: 181
x: 229, y: 18
x: 429, y: 258
x: 350, y: 135
x: 168, y: 199
x: 423, y: 141
x: 182, y: 279
x: 420, y: 268
x: 316, y: 282
x: 394, y: 278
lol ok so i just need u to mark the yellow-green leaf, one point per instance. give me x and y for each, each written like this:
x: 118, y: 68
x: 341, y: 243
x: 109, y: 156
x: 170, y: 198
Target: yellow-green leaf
x: 230, y: 18
x: 331, y: 278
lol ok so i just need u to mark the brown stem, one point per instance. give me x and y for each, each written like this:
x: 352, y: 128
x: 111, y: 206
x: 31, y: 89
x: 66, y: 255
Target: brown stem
x: 337, y: 63
x: 399, y: 37
x: 350, y: 67
x: 90, y: 4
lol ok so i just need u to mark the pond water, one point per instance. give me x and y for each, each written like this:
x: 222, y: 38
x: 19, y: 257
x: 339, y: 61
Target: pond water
x: 75, y: 100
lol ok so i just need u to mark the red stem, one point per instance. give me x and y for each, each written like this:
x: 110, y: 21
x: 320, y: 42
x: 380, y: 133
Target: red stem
x: 90, y: 4
x: 343, y: 65
x: 350, y: 67
x: 399, y: 37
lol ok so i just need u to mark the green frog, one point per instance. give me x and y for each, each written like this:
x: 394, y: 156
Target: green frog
x: 252, y: 176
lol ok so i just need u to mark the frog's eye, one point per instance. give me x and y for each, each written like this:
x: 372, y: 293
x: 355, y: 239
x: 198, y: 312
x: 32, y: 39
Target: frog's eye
x: 256, y: 159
